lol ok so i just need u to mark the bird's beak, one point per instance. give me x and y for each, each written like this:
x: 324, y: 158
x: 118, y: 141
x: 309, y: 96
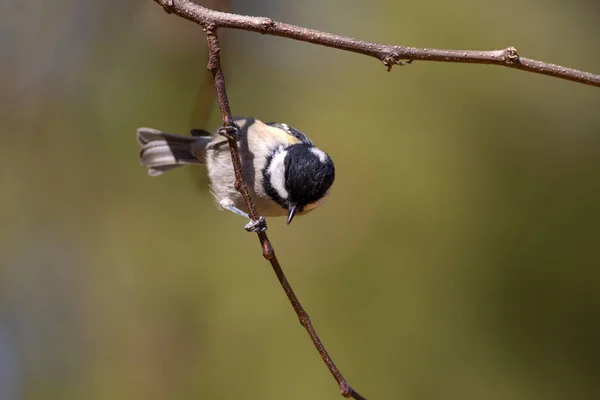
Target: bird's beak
x: 291, y: 213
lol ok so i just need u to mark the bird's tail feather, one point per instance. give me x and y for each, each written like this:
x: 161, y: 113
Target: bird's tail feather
x: 162, y: 151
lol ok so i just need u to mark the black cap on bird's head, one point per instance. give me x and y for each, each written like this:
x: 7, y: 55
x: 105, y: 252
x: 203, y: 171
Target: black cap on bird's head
x: 298, y: 177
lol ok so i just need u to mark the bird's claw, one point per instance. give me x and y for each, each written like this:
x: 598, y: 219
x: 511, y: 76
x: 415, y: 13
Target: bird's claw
x: 260, y: 225
x: 230, y: 131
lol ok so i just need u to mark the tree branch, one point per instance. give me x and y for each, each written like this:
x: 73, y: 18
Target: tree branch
x: 214, y: 65
x: 388, y: 55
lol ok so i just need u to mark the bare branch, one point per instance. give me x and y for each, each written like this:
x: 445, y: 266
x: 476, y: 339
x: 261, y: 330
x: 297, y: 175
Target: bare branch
x: 388, y: 55
x: 214, y: 65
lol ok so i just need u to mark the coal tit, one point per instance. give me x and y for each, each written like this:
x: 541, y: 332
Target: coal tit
x: 286, y: 174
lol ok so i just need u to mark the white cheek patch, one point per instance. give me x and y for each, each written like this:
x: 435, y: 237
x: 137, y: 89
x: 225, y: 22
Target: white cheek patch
x: 277, y: 174
x: 320, y: 154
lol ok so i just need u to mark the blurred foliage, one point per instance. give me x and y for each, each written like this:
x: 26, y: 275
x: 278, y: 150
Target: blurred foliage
x: 457, y: 257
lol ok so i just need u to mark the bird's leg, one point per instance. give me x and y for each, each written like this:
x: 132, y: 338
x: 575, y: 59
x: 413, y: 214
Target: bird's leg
x: 232, y: 132
x: 259, y: 225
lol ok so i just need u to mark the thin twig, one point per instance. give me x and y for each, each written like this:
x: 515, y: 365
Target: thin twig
x: 388, y: 55
x: 214, y: 65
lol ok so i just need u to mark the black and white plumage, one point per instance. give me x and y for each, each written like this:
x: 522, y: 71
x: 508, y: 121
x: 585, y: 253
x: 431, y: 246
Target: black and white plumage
x: 284, y: 171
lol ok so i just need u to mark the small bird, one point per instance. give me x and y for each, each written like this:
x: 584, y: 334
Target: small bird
x: 286, y: 174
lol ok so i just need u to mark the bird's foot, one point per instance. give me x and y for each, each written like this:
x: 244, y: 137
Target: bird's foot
x: 259, y: 225
x: 230, y: 131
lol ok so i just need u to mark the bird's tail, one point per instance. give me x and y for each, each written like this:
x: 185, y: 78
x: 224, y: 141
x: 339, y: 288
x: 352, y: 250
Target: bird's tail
x: 162, y: 151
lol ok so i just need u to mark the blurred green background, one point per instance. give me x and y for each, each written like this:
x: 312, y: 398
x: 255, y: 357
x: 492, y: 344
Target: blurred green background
x: 457, y: 258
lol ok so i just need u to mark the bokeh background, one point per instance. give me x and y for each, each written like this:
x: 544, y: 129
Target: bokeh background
x: 457, y: 258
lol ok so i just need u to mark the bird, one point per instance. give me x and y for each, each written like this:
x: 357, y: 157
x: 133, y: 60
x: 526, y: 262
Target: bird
x: 287, y: 175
